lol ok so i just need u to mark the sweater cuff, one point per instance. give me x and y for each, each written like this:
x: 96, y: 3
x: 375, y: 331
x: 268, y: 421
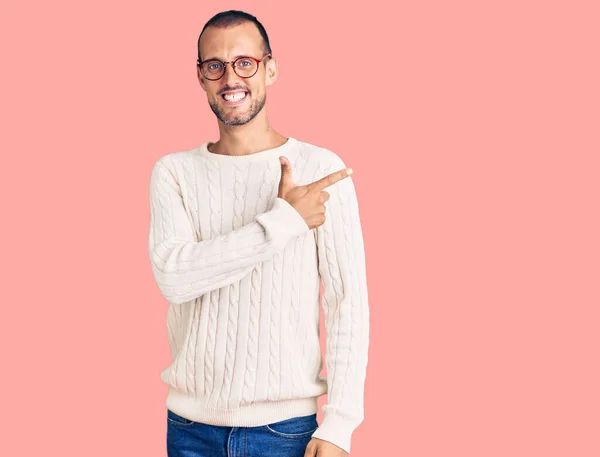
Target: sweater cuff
x: 336, y: 430
x: 283, y: 221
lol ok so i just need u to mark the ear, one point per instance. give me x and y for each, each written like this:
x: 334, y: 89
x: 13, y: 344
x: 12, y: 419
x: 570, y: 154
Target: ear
x: 271, y: 72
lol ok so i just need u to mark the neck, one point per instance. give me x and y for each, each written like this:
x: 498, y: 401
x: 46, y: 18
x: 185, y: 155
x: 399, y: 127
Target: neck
x: 255, y: 136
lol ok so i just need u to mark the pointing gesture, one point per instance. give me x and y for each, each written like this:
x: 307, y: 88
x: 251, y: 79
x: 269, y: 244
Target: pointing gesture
x: 309, y: 199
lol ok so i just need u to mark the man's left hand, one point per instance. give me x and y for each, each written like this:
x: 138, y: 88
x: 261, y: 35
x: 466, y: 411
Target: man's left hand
x: 321, y: 448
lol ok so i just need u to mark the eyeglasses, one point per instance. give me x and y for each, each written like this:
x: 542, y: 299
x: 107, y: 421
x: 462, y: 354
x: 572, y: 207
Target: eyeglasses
x: 244, y: 67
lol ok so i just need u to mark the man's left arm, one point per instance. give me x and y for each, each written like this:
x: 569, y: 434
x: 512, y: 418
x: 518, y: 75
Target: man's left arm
x: 342, y: 267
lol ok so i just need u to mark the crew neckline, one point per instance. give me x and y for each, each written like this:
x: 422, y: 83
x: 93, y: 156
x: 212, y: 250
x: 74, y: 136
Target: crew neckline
x: 261, y: 155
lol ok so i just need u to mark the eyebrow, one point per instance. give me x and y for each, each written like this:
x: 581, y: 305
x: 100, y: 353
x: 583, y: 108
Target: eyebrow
x: 234, y: 57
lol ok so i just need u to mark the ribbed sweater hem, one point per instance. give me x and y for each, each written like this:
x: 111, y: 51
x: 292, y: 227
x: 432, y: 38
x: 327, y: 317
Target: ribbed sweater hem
x: 252, y: 415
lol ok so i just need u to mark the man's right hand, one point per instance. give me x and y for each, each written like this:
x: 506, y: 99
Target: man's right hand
x: 308, y: 200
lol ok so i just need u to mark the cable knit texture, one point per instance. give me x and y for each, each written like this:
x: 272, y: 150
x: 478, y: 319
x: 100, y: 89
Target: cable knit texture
x: 241, y: 271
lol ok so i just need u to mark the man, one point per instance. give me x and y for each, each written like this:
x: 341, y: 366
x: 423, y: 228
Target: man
x: 242, y: 231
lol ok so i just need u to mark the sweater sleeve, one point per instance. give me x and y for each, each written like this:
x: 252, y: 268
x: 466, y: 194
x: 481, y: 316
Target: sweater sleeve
x: 342, y: 267
x: 185, y: 268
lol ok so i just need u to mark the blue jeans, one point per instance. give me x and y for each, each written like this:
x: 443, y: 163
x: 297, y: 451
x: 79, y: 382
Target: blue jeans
x: 287, y: 438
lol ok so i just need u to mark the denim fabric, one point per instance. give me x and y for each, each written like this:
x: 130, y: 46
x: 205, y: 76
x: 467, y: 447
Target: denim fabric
x: 287, y: 438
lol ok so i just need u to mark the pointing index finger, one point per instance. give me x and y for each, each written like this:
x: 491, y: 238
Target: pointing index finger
x: 330, y: 179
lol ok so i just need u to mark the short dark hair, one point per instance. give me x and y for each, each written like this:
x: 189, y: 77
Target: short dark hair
x: 235, y: 17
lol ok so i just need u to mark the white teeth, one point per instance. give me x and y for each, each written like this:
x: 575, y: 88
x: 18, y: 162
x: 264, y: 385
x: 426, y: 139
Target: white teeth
x: 234, y: 97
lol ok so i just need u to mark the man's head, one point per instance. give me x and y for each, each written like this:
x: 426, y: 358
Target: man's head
x: 226, y: 37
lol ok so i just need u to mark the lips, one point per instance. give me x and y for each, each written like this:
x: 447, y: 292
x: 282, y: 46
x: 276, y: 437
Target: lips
x: 236, y: 100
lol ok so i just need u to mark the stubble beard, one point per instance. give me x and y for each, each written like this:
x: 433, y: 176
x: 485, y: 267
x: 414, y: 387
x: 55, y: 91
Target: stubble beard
x: 239, y: 119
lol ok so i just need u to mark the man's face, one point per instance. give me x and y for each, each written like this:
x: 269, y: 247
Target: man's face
x: 227, y: 44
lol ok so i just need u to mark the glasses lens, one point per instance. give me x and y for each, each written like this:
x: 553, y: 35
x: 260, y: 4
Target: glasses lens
x: 245, y: 67
x: 212, y: 69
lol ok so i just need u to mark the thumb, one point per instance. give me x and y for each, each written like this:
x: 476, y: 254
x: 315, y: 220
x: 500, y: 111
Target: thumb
x: 286, y: 174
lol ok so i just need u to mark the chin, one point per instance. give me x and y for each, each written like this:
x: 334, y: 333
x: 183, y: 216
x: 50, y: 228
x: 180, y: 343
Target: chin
x: 236, y: 121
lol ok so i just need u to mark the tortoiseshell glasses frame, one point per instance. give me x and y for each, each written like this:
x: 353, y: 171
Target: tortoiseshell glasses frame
x: 234, y: 64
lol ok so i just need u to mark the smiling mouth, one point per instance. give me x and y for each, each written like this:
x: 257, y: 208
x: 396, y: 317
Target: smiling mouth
x: 234, y: 97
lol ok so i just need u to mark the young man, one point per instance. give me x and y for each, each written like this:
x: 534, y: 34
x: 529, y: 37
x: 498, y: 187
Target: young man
x: 242, y: 231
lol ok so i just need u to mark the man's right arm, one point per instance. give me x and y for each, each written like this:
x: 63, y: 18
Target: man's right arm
x: 185, y: 269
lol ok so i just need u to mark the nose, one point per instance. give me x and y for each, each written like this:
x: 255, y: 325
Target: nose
x: 230, y: 77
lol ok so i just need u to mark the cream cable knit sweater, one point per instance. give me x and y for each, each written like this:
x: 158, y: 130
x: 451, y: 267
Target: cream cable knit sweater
x: 241, y: 272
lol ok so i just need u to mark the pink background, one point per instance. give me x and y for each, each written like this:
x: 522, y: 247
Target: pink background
x: 473, y: 130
